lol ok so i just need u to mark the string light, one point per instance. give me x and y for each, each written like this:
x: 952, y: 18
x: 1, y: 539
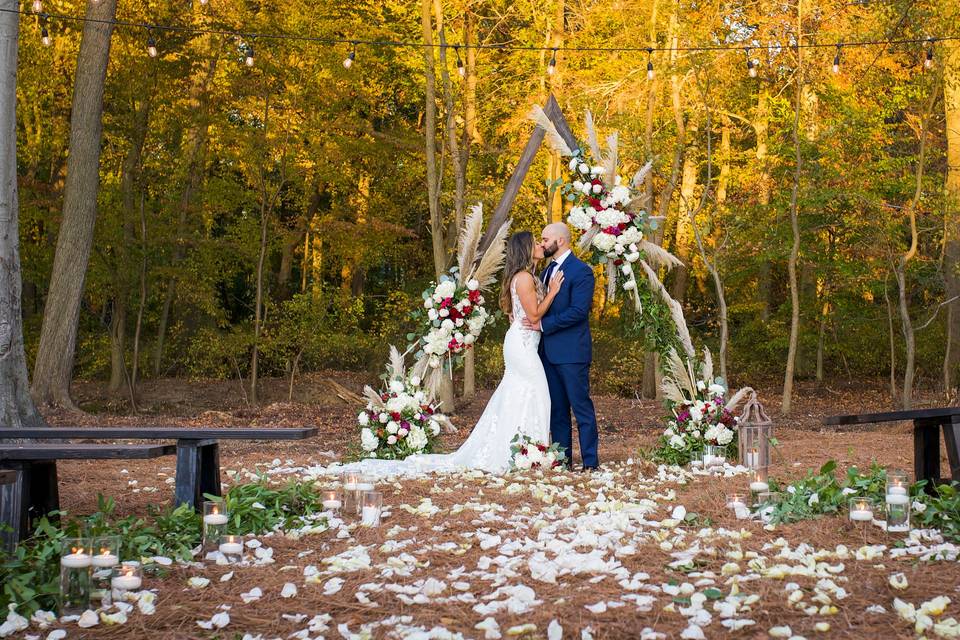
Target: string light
x: 460, y: 68
x: 650, y: 63
x: 37, y: 6
x: 45, y: 36
x: 836, y: 59
x: 348, y: 61
x: 751, y: 69
x: 928, y: 62
x: 552, y: 67
x: 248, y: 59
x: 151, y: 45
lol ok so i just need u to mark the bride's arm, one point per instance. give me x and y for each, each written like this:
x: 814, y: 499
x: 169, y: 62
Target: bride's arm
x: 527, y: 292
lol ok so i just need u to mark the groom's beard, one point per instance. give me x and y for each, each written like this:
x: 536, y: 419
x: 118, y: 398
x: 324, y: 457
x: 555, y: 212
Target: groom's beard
x: 549, y: 252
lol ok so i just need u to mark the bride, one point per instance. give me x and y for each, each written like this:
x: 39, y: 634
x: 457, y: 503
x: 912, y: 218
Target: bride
x: 521, y: 403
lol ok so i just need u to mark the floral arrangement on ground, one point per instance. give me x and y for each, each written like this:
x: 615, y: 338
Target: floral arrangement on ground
x: 527, y: 453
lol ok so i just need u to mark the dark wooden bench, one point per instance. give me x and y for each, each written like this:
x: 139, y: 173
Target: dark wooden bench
x: 198, y: 452
x: 927, y: 424
x: 30, y: 488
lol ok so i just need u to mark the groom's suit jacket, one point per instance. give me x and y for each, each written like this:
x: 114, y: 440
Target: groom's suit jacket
x: 566, y: 325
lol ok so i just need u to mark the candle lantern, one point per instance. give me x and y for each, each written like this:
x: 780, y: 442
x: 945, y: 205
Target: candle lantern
x: 76, y: 561
x: 127, y: 576
x: 105, y: 555
x: 371, y: 507
x: 755, y: 432
x: 215, y: 519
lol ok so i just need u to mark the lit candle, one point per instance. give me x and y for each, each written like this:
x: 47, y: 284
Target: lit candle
x: 76, y: 560
x: 215, y: 519
x: 364, y: 486
x: 759, y: 486
x: 370, y: 516
x: 897, y: 498
x: 736, y: 501
x: 105, y: 559
x: 331, y: 504
x: 126, y: 582
x: 753, y: 458
x: 232, y: 546
x: 897, y: 489
x: 861, y: 512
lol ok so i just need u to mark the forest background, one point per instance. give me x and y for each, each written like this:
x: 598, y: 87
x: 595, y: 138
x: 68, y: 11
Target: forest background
x: 283, y: 216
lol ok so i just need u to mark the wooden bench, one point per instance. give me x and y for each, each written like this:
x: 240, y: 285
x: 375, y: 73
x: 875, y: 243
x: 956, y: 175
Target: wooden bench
x: 30, y: 489
x: 198, y: 452
x: 927, y: 424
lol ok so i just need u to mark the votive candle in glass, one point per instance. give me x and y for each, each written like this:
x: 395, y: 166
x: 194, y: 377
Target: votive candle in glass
x: 350, y: 480
x: 758, y: 481
x: 76, y: 562
x: 860, y: 510
x: 737, y: 502
x: 714, y: 456
x: 331, y: 500
x: 105, y: 552
x: 898, y: 483
x: 371, y: 508
x: 215, y: 519
x: 128, y: 576
x: 232, y: 548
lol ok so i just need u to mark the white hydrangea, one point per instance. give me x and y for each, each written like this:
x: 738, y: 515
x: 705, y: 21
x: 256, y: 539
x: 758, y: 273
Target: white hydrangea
x: 724, y: 435
x: 396, y: 386
x: 580, y: 219
x: 417, y: 439
x: 676, y: 442
x: 604, y: 241
x: 611, y: 218
x: 368, y: 440
x: 363, y: 418
x: 444, y: 290
x: 631, y: 235
x: 620, y: 194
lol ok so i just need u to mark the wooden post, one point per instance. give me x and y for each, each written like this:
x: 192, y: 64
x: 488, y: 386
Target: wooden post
x: 926, y: 451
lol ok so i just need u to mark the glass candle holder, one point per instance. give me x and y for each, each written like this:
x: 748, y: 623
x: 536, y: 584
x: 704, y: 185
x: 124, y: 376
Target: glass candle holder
x: 898, y: 483
x: 696, y: 460
x: 897, y: 510
x: 365, y: 484
x: 76, y: 562
x: 232, y: 548
x: 861, y: 510
x: 127, y: 577
x: 105, y: 552
x: 215, y: 519
x: 714, y: 456
x: 767, y: 503
x: 758, y: 481
x: 737, y: 502
x: 371, y: 508
x: 331, y: 500
x: 350, y: 480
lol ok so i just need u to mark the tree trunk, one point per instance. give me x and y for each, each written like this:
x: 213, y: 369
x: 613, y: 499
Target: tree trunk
x: 906, y: 326
x: 143, y: 297
x: 16, y: 406
x: 470, y: 136
x: 786, y: 404
x: 723, y: 181
x: 191, y: 179
x: 556, y: 164
x: 129, y: 178
x: 430, y: 142
x: 457, y: 161
x: 824, y: 314
x: 683, y: 237
x: 951, y: 215
x: 761, y: 125
x: 54, y: 366
x: 893, y: 345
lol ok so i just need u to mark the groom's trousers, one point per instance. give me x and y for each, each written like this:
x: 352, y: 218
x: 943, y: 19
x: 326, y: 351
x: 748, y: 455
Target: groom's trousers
x: 569, y: 386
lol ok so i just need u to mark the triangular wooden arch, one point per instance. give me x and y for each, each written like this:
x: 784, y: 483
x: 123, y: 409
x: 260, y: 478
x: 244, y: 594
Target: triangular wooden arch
x: 501, y: 213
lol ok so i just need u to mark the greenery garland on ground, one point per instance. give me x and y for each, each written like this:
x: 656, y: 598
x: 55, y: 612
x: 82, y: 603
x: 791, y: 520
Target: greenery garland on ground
x: 822, y: 493
x: 30, y: 574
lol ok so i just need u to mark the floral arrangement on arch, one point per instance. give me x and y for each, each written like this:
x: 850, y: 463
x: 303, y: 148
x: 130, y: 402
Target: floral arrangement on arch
x: 526, y: 453
x: 453, y: 316
x: 400, y: 420
x: 701, y: 412
x: 609, y: 212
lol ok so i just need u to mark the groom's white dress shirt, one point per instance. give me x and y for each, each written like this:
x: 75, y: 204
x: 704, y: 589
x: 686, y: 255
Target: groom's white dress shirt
x: 548, y: 272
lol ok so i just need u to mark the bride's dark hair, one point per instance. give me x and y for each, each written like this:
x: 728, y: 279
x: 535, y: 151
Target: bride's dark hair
x: 519, y: 257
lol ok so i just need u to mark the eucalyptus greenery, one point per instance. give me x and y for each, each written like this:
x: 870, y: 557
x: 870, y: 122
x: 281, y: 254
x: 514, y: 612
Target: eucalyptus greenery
x: 30, y: 573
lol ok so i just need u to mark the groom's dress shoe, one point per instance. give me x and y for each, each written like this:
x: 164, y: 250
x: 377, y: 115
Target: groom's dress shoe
x: 588, y: 469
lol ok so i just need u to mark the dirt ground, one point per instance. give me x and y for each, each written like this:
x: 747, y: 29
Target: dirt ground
x: 626, y: 426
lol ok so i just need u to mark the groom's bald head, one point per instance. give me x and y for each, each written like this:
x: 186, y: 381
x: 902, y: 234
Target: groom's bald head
x: 555, y: 239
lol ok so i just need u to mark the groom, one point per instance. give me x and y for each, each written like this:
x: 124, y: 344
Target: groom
x: 566, y: 347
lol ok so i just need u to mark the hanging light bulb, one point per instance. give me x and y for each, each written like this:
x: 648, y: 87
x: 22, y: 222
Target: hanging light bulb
x: 37, y: 6
x: 836, y: 60
x: 348, y: 61
x: 649, y: 64
x: 928, y: 62
x: 151, y: 46
x: 45, y: 36
x: 248, y: 60
x: 552, y: 67
x: 751, y: 68
x: 203, y: 2
x: 460, y: 68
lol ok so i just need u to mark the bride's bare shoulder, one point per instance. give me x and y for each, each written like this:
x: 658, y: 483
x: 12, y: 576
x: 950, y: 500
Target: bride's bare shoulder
x: 523, y: 280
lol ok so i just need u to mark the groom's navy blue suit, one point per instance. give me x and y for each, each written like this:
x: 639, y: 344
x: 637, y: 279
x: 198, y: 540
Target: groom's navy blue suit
x: 566, y: 350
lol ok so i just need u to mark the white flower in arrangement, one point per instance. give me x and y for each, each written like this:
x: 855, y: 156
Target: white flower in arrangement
x: 620, y: 194
x: 724, y: 435
x: 630, y: 237
x: 384, y: 418
x: 578, y: 185
x: 597, y: 188
x: 473, y: 284
x: 676, y: 442
x: 402, y: 433
x: 626, y: 269
x: 368, y: 440
x: 447, y: 325
x: 443, y: 313
x: 696, y: 411
x: 618, y: 249
x: 583, y: 168
x: 573, y: 163
x: 629, y: 285
x: 396, y: 405
x: 434, y: 427
x: 417, y: 439
x: 363, y: 418
x: 458, y: 322
x: 522, y: 462
x: 434, y: 362
x: 391, y: 439
x: 716, y: 389
x: 604, y: 241
x: 596, y: 170
x: 428, y: 303
x: 432, y: 314
x: 469, y: 339
x: 587, y: 188
x: 632, y: 257
x: 701, y: 385
x: 445, y: 289
x: 534, y: 455
x: 711, y: 433
x: 580, y: 219
x: 396, y: 386
x: 392, y: 427
x: 415, y: 381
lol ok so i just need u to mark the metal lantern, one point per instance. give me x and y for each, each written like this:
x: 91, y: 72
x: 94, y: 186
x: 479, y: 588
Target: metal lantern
x: 755, y: 433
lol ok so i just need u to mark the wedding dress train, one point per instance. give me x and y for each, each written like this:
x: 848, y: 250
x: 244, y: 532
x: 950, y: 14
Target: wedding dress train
x: 521, y: 404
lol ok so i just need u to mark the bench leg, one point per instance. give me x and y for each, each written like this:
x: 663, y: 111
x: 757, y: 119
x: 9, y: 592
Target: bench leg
x: 187, y: 488
x: 41, y: 483
x: 13, y: 515
x: 210, y: 470
x: 951, y: 437
x: 926, y: 452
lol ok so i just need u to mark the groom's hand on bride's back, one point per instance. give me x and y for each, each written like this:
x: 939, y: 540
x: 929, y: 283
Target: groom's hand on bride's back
x: 535, y: 326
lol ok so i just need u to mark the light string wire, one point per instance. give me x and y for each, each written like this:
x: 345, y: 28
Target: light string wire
x: 479, y: 46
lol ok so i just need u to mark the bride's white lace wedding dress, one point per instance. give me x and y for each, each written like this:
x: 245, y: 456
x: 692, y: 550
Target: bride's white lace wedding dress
x: 521, y: 404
